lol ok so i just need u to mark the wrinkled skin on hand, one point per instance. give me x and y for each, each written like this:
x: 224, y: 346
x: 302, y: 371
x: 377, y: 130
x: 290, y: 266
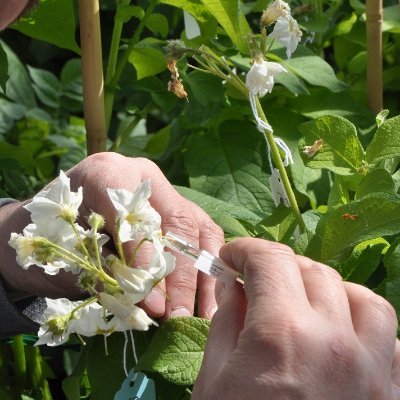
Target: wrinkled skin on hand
x: 297, y: 331
x: 175, y: 296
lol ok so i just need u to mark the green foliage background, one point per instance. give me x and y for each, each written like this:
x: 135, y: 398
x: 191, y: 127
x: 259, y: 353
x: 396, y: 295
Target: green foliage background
x: 209, y: 146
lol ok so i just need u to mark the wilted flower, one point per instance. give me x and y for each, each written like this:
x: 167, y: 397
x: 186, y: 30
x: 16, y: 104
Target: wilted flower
x: 287, y: 32
x: 136, y: 214
x: 311, y: 151
x: 260, y: 78
x: 276, y: 9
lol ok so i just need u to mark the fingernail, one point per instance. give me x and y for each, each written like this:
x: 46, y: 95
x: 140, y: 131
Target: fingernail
x: 180, y: 312
x: 212, y: 311
x: 155, y: 301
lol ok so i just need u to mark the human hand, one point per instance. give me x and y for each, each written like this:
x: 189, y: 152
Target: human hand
x: 297, y: 331
x: 109, y: 170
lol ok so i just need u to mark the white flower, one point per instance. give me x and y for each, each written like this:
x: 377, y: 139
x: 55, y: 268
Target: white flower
x: 136, y: 213
x: 132, y: 280
x: 260, y: 78
x: 276, y: 9
x: 91, y: 320
x: 126, y: 314
x: 287, y: 32
x: 161, y: 264
x: 57, y: 324
x: 25, y: 247
x: 53, y: 209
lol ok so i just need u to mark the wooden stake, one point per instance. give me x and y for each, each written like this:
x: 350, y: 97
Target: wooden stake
x: 374, y: 13
x: 92, y: 73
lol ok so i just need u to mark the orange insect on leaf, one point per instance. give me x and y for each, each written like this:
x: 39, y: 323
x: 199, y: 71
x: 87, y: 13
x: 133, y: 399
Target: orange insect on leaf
x: 352, y: 217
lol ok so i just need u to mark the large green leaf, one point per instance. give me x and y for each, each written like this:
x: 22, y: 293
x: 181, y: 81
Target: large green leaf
x: 228, y: 216
x: 47, y: 87
x: 341, y: 151
x: 230, y: 17
x: 147, y: 58
x: 378, y: 180
x: 19, y: 86
x: 230, y: 165
x: 312, y: 68
x: 374, y: 215
x: 177, y: 349
x: 53, y: 21
x: 386, y: 141
x: 392, y: 265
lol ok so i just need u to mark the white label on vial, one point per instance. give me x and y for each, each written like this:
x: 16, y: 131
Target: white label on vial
x: 277, y: 189
x: 216, y: 268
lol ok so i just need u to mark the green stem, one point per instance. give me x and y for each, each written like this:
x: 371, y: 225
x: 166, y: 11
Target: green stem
x: 96, y: 249
x: 19, y: 364
x: 118, y: 243
x: 113, y: 82
x: 113, y: 54
x: 125, y: 133
x: 278, y: 162
x: 82, y: 244
x: 83, y: 305
x: 36, y: 373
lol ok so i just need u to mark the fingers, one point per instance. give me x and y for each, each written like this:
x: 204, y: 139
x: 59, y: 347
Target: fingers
x: 325, y: 290
x: 273, y: 282
x: 374, y: 321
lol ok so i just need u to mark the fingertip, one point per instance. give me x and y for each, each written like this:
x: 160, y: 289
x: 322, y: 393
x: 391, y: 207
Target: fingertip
x: 154, y: 303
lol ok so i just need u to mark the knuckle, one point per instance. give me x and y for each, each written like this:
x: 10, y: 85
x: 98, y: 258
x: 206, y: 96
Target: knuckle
x: 107, y: 158
x: 383, y: 307
x: 182, y: 222
x: 341, y: 353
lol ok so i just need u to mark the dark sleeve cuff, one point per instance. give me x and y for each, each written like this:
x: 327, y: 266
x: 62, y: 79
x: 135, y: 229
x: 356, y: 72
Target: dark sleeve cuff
x: 20, y: 316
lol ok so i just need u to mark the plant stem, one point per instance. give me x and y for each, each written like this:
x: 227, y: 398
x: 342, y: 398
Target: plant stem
x: 113, y: 81
x: 278, y: 162
x: 118, y: 243
x: 36, y: 373
x: 133, y: 256
x: 19, y: 365
x: 374, y: 15
x: 92, y: 73
x: 113, y: 55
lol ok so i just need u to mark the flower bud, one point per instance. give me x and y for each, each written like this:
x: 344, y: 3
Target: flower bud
x: 175, y: 49
x: 96, y: 221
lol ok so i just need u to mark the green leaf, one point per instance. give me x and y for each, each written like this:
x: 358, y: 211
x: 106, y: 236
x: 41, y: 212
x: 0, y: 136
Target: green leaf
x: 177, y: 349
x: 71, y: 385
x: 378, y: 180
x: 147, y: 61
x: 279, y: 226
x: 341, y: 151
x: 53, y: 21
x: 392, y: 262
x: 158, y: 23
x: 312, y: 68
x: 230, y: 17
x: 19, y: 86
x: 125, y: 13
x: 376, y: 215
x: 207, y: 89
x: 106, y: 372
x: 47, y: 86
x: 3, y: 69
x: 218, y: 209
x: 386, y: 141
x: 17, y: 153
x: 364, y: 260
x: 230, y: 165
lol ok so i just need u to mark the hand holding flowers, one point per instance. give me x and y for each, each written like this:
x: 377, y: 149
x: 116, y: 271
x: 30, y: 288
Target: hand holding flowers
x: 97, y: 174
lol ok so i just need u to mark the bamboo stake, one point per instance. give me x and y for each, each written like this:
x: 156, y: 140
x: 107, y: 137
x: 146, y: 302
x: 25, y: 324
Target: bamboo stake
x: 374, y: 13
x: 92, y: 73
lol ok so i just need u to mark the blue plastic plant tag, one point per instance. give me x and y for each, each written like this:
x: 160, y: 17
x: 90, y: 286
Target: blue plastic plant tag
x: 138, y: 387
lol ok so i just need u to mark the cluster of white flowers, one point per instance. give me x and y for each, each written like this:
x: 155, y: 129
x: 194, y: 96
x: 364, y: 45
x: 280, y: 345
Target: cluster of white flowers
x: 55, y: 241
